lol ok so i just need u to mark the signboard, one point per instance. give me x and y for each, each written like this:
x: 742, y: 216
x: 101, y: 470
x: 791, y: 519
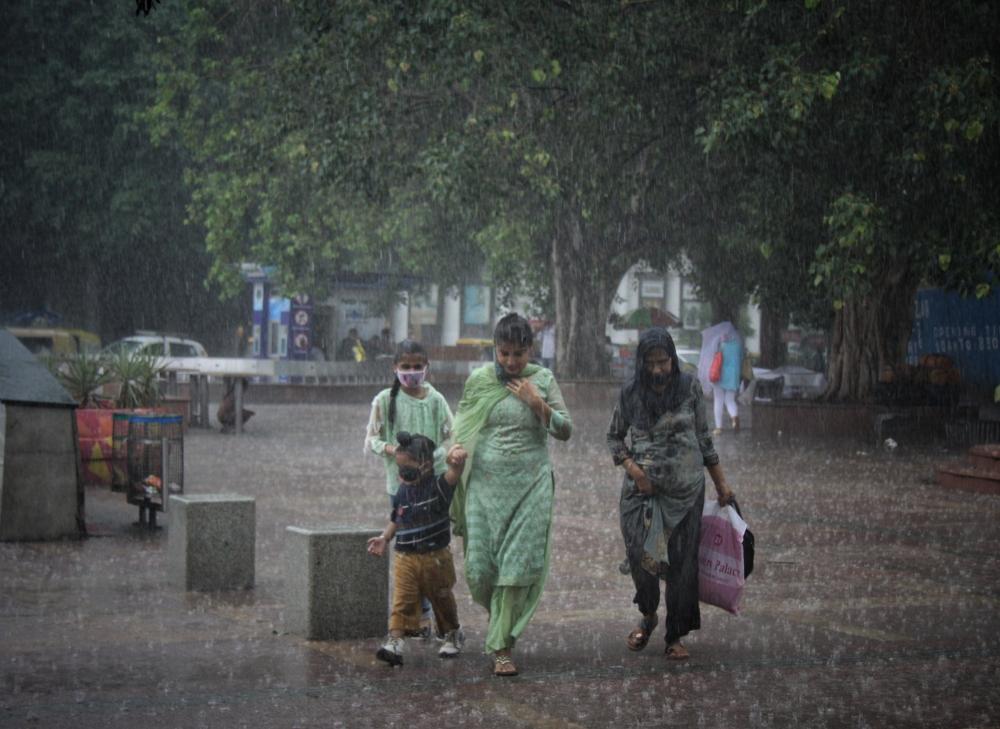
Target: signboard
x: 476, y: 305
x: 277, y: 337
x: 424, y: 307
x: 301, y: 325
x: 652, y: 288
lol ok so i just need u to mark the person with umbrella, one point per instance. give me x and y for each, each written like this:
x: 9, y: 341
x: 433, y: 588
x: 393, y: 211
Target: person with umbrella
x: 722, y: 339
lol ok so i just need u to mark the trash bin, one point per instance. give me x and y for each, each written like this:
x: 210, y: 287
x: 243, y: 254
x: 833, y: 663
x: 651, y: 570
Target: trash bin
x: 155, y: 463
x: 119, y: 450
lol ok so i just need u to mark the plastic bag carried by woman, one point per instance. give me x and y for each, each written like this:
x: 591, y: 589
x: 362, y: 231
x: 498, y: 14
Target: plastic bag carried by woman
x: 723, y: 559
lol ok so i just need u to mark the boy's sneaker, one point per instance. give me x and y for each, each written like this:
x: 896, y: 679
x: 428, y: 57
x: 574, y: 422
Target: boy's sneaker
x: 453, y: 642
x: 391, y: 651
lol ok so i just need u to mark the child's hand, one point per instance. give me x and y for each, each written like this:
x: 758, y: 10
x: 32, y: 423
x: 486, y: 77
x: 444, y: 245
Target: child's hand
x: 456, y: 456
x: 376, y: 546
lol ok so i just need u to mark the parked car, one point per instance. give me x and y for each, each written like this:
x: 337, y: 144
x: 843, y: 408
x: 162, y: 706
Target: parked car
x: 158, y: 345
x: 57, y: 342
x: 789, y: 382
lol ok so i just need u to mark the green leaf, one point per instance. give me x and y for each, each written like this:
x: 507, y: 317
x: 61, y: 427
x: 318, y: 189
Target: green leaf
x: 944, y: 261
x: 973, y: 130
x: 829, y: 84
x: 982, y: 290
x: 812, y: 4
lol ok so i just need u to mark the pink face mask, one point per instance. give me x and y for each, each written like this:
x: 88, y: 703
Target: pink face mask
x: 412, y: 378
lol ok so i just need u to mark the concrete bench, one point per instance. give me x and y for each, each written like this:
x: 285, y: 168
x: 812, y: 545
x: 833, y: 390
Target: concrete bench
x: 334, y: 588
x: 210, y: 542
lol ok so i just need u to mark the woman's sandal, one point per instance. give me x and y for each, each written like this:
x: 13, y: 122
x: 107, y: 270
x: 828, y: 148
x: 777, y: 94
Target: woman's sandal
x: 639, y: 636
x: 503, y: 665
x: 676, y: 652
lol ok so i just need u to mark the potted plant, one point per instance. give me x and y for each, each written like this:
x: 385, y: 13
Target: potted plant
x: 136, y: 374
x: 82, y: 376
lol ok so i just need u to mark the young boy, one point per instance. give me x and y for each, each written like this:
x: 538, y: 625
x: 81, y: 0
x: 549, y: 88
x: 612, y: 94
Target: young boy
x: 422, y: 566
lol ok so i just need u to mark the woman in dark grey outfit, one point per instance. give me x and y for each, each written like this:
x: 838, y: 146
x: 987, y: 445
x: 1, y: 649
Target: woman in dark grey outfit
x: 659, y: 434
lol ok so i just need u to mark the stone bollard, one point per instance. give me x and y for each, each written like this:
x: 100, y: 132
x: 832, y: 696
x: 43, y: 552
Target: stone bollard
x: 334, y: 589
x: 210, y: 542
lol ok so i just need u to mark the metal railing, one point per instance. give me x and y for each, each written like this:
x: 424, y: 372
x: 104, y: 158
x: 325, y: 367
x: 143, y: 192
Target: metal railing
x: 304, y: 371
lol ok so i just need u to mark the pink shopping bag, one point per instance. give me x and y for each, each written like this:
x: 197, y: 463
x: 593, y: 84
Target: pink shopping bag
x: 720, y: 557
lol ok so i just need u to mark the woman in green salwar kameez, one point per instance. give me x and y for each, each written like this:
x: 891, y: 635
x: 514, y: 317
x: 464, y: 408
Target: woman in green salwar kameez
x: 503, y: 506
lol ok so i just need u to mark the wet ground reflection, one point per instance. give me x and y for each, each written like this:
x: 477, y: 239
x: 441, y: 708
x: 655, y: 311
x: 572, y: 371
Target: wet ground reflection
x: 874, y: 602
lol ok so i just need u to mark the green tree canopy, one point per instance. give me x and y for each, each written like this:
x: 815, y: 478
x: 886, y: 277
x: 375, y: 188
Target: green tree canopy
x: 535, y: 144
x: 870, y: 132
x: 826, y: 157
x: 93, y: 216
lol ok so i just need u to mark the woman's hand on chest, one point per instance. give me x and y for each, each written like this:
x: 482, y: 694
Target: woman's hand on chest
x: 525, y: 391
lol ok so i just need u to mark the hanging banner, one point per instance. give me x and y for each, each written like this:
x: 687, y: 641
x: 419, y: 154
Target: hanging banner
x: 967, y: 330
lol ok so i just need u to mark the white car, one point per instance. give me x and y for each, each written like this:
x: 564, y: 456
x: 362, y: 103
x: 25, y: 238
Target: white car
x: 158, y: 345
x: 689, y: 359
x: 790, y: 382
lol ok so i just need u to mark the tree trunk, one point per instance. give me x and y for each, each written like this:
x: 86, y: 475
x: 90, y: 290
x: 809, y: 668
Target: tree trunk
x: 724, y: 308
x: 772, y: 345
x: 582, y: 281
x: 868, y: 333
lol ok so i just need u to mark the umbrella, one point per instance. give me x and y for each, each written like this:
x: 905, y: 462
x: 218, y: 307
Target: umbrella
x: 646, y: 317
x: 710, y: 339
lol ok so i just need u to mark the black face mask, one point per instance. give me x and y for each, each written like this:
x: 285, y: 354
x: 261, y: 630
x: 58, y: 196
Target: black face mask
x: 410, y: 474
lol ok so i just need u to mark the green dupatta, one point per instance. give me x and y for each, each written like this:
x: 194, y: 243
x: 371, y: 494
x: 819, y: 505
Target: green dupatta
x: 481, y: 394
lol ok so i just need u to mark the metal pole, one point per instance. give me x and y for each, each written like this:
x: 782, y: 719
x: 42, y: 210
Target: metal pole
x: 206, y: 420
x: 239, y: 405
x: 165, y: 470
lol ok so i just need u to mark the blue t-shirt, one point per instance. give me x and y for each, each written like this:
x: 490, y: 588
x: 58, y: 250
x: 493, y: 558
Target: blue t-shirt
x: 420, y: 512
x: 732, y: 363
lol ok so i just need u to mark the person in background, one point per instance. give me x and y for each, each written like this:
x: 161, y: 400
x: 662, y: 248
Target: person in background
x: 728, y: 386
x: 423, y: 567
x: 548, y: 337
x: 240, y: 339
x: 659, y: 434
x: 227, y: 408
x: 503, y: 505
x: 385, y: 344
x: 351, y: 347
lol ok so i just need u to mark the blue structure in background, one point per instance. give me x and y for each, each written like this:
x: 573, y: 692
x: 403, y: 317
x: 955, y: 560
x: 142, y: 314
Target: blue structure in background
x: 282, y: 327
x: 965, y: 329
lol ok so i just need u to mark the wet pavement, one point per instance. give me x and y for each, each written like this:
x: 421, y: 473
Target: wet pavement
x: 874, y: 602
